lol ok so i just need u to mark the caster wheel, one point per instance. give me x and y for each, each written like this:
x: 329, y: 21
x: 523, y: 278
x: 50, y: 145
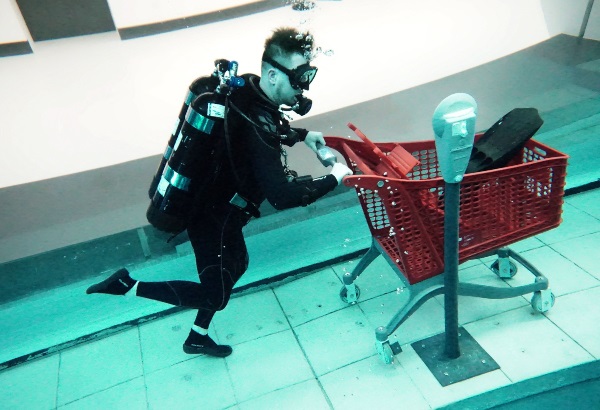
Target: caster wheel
x: 385, y: 352
x: 344, y: 295
x: 495, y: 267
x: 540, y: 303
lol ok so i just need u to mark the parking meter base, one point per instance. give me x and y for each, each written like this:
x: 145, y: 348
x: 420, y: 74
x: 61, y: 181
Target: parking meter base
x: 474, y: 360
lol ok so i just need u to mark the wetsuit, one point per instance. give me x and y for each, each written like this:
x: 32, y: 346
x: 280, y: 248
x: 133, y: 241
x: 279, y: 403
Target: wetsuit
x: 253, y: 168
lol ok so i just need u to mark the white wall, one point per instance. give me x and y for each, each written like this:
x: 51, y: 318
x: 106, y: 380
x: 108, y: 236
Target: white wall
x: 593, y: 28
x: 11, y: 23
x: 130, y: 13
x: 566, y: 16
x: 81, y: 103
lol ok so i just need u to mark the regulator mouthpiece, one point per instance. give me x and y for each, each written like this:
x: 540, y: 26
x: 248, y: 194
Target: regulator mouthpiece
x: 303, y: 105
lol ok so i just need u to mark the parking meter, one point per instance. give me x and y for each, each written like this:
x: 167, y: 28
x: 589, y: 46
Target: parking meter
x: 454, y: 129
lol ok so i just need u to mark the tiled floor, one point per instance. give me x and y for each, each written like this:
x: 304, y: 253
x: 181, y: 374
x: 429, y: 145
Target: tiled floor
x: 298, y: 346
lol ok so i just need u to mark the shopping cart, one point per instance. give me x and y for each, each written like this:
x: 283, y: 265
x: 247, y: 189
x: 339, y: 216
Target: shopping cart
x: 405, y: 215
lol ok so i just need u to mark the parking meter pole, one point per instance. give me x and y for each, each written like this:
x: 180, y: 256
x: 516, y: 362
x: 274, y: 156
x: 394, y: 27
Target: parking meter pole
x: 454, y: 128
x: 451, y: 215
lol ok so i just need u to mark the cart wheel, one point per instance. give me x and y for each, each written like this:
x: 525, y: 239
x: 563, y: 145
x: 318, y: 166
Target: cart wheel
x: 541, y: 303
x: 495, y: 267
x: 385, y: 352
x: 344, y: 294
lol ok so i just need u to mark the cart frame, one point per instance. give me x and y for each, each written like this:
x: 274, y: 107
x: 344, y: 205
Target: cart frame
x: 525, y: 198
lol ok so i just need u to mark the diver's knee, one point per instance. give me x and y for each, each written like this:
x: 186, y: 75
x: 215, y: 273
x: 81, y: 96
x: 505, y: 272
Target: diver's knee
x: 219, y: 303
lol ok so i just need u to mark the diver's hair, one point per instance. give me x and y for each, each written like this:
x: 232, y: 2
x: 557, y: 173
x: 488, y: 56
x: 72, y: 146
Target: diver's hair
x: 286, y: 41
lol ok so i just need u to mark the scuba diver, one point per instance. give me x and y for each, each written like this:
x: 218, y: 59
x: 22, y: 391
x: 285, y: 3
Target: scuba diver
x: 254, y: 168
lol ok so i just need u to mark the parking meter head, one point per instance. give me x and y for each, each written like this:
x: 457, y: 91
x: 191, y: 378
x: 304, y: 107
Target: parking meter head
x: 454, y: 128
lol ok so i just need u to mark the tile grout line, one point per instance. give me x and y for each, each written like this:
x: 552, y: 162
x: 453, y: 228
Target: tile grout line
x: 235, y: 394
x: 58, y: 379
x: 572, y: 261
x: 316, y: 377
x: 564, y: 331
x: 139, y: 333
x: 100, y: 391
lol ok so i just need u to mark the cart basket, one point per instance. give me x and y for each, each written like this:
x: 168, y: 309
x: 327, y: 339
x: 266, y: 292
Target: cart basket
x: 497, y: 207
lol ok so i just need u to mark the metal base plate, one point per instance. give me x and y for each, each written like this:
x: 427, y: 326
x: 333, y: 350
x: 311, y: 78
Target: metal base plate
x: 472, y: 362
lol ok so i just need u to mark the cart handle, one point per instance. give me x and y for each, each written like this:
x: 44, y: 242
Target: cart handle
x: 403, y: 162
x: 355, y: 159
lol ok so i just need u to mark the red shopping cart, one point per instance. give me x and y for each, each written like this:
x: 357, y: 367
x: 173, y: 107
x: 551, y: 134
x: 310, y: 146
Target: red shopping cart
x: 405, y: 215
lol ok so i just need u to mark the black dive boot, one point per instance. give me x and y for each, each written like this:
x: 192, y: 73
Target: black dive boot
x: 118, y: 283
x: 200, y: 344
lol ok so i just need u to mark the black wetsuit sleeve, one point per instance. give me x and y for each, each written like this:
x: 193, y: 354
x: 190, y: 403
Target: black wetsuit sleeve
x: 294, y: 135
x: 302, y: 133
x: 272, y: 179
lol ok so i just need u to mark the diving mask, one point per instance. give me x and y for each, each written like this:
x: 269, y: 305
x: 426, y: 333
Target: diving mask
x: 300, y: 77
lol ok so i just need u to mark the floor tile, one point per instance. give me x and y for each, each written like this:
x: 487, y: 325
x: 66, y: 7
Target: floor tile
x: 249, y: 317
x: 563, y: 275
x: 519, y: 247
x: 557, y: 98
x: 380, y: 310
x: 470, y: 308
x: 130, y: 395
x: 582, y: 251
x: 588, y: 202
x: 426, y: 321
x: 98, y: 365
x: 577, y: 315
x: 575, y: 223
x: 371, y: 384
x: 337, y: 339
x: 526, y: 344
x: 593, y: 65
x: 162, y: 339
x: 30, y: 386
x: 578, y: 143
x: 301, y: 396
x: 468, y: 264
x: 200, y: 383
x: 526, y: 244
x: 310, y: 297
x: 267, y: 364
x: 438, y: 396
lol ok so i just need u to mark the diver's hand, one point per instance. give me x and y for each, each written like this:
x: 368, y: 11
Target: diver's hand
x: 339, y: 171
x: 314, y: 137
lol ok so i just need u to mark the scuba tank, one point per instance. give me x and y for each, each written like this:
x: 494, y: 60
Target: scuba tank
x: 196, y: 156
x: 199, y: 86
